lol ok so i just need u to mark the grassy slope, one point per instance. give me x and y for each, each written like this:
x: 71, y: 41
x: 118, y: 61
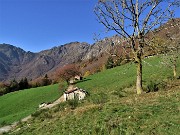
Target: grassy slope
x: 125, y: 76
x: 153, y: 113
x: 15, y: 106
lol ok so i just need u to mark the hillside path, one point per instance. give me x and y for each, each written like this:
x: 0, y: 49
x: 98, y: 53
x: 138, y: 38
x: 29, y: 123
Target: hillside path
x: 61, y: 99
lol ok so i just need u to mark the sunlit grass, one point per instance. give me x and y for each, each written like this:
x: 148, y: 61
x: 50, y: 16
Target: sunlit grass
x: 113, y: 107
x: 17, y: 105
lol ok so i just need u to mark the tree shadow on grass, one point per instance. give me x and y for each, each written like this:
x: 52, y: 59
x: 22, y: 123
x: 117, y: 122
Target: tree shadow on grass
x: 83, y: 80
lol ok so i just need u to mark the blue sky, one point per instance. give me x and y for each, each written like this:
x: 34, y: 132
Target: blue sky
x: 36, y: 25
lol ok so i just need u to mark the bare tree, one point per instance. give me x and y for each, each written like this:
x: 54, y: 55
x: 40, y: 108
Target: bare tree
x: 132, y: 20
x: 172, y: 45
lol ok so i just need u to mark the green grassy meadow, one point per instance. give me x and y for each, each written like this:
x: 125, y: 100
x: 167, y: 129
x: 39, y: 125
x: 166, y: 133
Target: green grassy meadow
x: 17, y: 105
x: 153, y: 113
x: 112, y: 107
x: 116, y: 79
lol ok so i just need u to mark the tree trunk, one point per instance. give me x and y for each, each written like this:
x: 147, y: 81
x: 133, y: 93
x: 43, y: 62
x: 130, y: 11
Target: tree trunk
x: 174, y: 66
x: 139, y: 89
x: 174, y: 70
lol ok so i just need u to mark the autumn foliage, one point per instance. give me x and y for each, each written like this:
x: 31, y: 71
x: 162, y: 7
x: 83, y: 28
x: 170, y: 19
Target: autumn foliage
x: 67, y: 72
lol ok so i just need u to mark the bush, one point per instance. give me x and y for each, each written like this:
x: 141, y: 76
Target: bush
x: 155, y: 85
x: 73, y: 103
x: 87, y: 73
x: 23, y: 84
x: 14, y: 86
x: 46, y: 81
x: 3, y: 91
x: 110, y: 63
x: 152, y: 86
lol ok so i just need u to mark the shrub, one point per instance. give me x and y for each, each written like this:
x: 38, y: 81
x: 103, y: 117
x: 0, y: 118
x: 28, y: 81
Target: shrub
x: 87, y: 73
x: 3, y: 91
x: 23, y: 84
x: 155, y: 85
x: 46, y: 81
x: 110, y: 63
x: 14, y: 86
x: 118, y: 61
x: 73, y: 103
x: 152, y: 86
x: 103, y: 68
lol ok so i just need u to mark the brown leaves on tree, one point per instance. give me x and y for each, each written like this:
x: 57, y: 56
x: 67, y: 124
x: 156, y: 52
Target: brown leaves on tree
x: 67, y: 72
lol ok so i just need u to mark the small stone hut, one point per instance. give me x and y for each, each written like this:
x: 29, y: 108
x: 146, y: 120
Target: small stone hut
x: 74, y: 93
x: 78, y: 77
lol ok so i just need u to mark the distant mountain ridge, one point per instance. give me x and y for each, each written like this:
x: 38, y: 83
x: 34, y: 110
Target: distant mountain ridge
x: 17, y: 63
x: 11, y: 60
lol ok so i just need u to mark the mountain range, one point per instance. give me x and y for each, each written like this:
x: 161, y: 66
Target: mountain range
x: 17, y: 63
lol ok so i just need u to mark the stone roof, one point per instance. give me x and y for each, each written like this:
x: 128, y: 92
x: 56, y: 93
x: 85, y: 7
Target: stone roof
x: 75, y: 89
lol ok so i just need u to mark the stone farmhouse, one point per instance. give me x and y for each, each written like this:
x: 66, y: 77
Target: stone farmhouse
x: 74, y: 93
